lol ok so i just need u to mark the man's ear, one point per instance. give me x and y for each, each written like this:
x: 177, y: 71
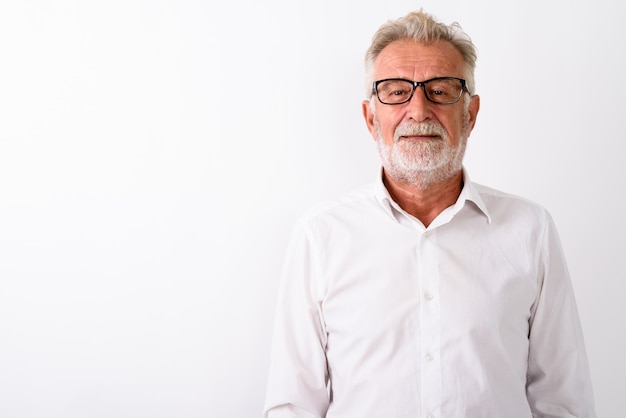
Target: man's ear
x: 473, y: 109
x: 368, y: 115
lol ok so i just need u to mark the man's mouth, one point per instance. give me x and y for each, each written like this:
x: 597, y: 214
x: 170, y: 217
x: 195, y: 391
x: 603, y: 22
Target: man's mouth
x: 420, y: 137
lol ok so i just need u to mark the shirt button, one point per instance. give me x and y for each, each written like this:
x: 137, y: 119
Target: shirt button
x: 428, y: 296
x: 430, y: 416
x: 430, y: 357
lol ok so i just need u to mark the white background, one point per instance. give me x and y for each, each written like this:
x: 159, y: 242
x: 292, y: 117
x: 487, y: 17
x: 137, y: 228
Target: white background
x: 154, y: 155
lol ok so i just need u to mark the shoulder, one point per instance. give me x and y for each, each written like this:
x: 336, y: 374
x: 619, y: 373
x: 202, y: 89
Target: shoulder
x: 507, y: 208
x: 495, y: 199
x: 346, y: 207
x: 361, y: 196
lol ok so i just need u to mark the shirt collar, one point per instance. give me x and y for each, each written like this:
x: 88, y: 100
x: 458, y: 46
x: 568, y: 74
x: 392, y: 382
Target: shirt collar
x: 469, y: 193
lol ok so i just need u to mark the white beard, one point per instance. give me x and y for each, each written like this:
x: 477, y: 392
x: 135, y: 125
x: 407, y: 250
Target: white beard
x: 422, y: 163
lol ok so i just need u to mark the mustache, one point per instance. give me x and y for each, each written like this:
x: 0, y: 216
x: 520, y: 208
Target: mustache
x: 426, y: 128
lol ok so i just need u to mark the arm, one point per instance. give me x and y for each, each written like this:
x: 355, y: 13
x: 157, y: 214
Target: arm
x: 558, y: 379
x: 298, y: 377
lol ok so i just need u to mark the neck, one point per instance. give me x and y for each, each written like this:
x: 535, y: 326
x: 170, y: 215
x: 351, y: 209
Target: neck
x: 425, y: 203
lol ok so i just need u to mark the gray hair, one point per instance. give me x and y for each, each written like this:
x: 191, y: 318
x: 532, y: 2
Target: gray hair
x: 421, y: 27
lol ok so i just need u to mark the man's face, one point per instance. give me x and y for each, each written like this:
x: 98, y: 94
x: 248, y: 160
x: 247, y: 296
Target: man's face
x: 419, y: 141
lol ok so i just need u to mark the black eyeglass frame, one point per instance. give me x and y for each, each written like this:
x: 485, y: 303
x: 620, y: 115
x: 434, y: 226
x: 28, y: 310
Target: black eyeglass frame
x: 417, y: 84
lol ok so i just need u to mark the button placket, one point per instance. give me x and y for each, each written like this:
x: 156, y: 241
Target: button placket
x: 430, y: 321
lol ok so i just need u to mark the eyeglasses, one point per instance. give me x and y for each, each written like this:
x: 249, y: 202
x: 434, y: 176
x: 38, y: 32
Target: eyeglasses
x: 442, y: 90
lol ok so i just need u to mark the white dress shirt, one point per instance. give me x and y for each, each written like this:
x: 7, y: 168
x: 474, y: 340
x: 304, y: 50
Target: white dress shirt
x: 472, y: 317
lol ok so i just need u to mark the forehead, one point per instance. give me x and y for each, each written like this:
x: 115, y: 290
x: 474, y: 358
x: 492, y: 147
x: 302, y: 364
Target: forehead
x: 417, y: 61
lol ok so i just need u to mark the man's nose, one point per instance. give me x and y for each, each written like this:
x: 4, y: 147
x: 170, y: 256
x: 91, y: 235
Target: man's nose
x: 419, y: 107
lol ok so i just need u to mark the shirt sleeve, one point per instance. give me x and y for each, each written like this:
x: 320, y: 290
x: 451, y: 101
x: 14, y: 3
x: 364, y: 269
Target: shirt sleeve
x: 298, y: 376
x: 558, y: 380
